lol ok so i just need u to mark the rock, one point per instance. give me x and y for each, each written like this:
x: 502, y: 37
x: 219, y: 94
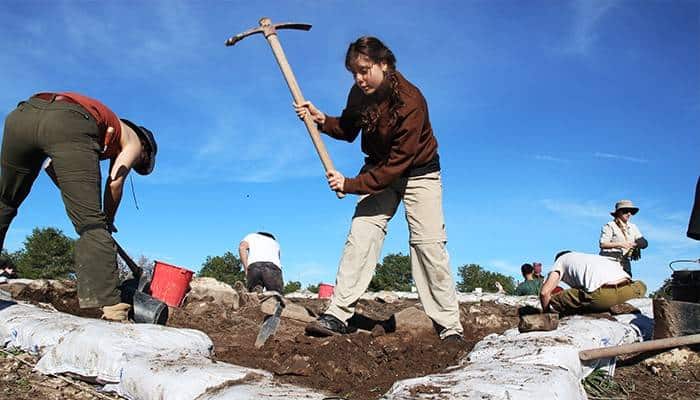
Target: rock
x: 296, y: 365
x: 386, y: 297
x: 413, y: 320
x: 378, y: 330
x: 672, y: 358
x: 290, y: 310
x: 39, y: 285
x: 538, y: 322
x: 209, y: 289
x: 489, y: 321
x: 13, y: 288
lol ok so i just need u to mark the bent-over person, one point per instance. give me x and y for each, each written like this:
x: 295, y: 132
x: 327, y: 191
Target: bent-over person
x: 597, y: 283
x: 75, y: 133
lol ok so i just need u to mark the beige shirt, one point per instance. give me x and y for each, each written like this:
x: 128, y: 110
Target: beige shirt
x: 611, y: 233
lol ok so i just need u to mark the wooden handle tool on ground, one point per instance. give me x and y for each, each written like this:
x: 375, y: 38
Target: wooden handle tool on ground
x: 658, y: 344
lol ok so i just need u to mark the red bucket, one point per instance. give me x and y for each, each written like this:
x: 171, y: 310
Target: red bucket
x: 170, y: 283
x: 325, y: 291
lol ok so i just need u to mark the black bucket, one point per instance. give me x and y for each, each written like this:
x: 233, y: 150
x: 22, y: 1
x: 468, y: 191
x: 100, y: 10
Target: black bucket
x: 685, y: 286
x: 149, y: 310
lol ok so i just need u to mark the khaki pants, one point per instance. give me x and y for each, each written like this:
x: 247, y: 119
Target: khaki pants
x: 577, y: 301
x: 69, y: 135
x: 430, y: 266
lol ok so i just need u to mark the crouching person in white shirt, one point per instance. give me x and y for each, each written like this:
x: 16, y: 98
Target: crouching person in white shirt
x: 597, y: 283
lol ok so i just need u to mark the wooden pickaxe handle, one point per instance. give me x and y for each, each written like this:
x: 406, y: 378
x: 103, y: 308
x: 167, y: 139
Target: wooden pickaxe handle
x: 299, y: 98
x: 658, y: 344
x: 270, y: 33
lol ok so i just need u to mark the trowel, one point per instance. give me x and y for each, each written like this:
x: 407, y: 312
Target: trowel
x: 147, y: 309
x: 269, y: 327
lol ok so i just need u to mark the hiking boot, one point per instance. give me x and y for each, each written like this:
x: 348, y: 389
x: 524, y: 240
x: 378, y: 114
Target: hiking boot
x: 624, y: 308
x: 454, y: 339
x: 327, y: 325
x: 118, y: 312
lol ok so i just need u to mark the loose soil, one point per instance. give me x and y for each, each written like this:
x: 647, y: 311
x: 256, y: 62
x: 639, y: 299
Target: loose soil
x: 361, y: 365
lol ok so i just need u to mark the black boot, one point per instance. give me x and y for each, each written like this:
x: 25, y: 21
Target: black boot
x: 327, y: 325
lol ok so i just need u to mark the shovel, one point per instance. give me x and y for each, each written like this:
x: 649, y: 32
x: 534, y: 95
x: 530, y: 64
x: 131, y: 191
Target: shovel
x: 147, y: 309
x: 269, y: 327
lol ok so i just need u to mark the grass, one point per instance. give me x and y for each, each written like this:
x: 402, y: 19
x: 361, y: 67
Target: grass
x: 601, y: 386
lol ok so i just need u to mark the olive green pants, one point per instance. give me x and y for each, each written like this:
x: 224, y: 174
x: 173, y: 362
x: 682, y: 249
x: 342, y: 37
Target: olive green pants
x: 66, y: 133
x: 577, y: 301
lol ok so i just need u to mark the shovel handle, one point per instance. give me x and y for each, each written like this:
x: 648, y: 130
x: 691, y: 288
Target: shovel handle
x: 135, y: 269
x: 658, y: 344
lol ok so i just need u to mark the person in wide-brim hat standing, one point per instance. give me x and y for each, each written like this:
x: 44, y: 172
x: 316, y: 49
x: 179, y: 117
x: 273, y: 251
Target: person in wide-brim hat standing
x: 621, y: 239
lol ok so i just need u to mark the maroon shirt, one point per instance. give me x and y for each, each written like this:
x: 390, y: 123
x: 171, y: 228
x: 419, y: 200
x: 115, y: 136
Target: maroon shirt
x: 110, y: 144
x: 392, y: 150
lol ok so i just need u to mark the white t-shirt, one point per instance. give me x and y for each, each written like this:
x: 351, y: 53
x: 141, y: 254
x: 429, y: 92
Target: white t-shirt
x: 588, y: 271
x: 262, y: 248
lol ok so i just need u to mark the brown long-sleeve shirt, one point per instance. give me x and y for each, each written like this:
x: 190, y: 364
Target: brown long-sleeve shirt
x: 392, y: 150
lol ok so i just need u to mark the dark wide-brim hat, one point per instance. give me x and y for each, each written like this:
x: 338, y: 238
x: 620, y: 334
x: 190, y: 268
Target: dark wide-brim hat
x: 147, y: 138
x: 625, y: 205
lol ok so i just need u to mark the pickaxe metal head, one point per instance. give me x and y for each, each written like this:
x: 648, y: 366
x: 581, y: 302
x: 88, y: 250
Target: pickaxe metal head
x: 267, y: 29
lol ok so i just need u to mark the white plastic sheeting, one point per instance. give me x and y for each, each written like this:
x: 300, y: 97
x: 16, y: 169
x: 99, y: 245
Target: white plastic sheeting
x: 153, y: 362
x: 104, y: 349
x: 522, y: 365
x: 202, y: 379
x: 140, y: 361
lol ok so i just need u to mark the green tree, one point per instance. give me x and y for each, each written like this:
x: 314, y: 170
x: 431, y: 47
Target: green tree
x: 292, y: 287
x: 473, y: 276
x: 663, y: 292
x: 47, y: 254
x: 226, y: 268
x: 313, y: 288
x: 394, y: 273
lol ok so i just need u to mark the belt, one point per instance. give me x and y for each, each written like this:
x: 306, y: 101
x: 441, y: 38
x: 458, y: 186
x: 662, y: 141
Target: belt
x: 54, y: 97
x: 617, y: 285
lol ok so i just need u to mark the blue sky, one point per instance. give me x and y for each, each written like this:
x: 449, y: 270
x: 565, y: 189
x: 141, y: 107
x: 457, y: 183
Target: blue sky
x: 546, y: 112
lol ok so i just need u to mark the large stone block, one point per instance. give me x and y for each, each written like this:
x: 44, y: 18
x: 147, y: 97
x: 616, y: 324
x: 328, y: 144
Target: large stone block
x: 290, y: 310
x: 209, y: 289
x: 413, y: 320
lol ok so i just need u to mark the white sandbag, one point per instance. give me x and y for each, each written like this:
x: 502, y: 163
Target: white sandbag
x: 103, y: 349
x: 142, y: 361
x: 202, y: 379
x: 34, y: 329
x: 643, y: 322
x: 504, y: 366
x: 492, y: 380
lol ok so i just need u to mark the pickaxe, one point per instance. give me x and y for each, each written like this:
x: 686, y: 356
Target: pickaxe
x: 270, y: 32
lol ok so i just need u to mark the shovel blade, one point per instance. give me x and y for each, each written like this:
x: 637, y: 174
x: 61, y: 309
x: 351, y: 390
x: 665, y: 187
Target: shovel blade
x: 269, y: 327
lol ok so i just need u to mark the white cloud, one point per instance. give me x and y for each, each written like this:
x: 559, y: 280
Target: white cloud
x: 543, y: 157
x: 620, y: 157
x: 588, y: 15
x: 574, y: 209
